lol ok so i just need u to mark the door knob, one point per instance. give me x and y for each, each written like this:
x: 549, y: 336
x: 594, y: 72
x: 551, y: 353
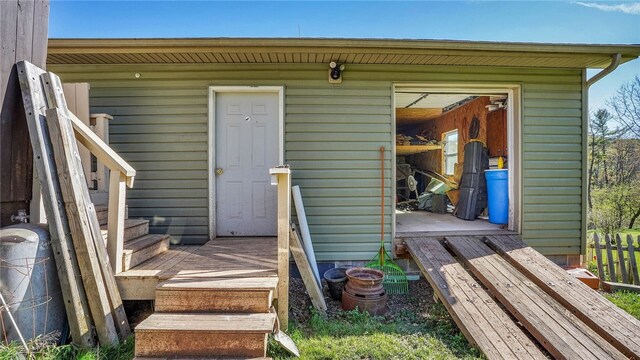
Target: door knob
x: 219, y: 171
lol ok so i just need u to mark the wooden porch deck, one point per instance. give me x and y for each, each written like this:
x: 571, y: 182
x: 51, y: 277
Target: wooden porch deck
x: 233, y: 257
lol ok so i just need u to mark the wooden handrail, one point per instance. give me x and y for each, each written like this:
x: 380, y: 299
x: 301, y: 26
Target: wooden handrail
x: 281, y: 176
x: 121, y: 176
x: 102, y: 151
x: 121, y: 173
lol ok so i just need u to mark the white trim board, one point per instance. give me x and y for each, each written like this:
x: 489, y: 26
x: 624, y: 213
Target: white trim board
x: 211, y: 139
x: 514, y: 134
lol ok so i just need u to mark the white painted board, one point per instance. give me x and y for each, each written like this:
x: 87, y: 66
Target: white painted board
x: 304, y: 230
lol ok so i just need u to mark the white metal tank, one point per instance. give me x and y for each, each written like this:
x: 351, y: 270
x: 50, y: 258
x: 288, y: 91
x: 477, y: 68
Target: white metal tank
x: 29, y: 283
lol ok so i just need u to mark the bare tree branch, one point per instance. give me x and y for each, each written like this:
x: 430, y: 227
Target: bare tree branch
x: 626, y: 106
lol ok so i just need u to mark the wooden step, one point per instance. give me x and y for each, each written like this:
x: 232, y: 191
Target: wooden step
x: 238, y: 295
x: 133, y: 228
x: 143, y: 248
x: 99, y: 197
x: 103, y: 213
x: 200, y: 335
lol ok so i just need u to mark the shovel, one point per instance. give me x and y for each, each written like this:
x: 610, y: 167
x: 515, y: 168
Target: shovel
x: 283, y: 339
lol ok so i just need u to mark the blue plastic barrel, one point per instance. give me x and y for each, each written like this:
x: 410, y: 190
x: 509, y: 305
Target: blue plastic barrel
x: 498, y: 191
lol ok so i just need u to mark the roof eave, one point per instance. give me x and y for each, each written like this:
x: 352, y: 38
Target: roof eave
x: 595, y: 55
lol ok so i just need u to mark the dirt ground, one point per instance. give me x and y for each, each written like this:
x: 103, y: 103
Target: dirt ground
x: 419, y: 300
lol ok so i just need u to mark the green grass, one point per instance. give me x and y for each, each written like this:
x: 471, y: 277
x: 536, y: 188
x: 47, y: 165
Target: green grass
x: 634, y: 232
x: 124, y: 351
x: 628, y: 301
x: 348, y: 335
x: 352, y: 335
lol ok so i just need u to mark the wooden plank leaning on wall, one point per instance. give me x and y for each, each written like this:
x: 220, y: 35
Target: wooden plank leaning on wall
x: 60, y: 119
x: 73, y: 293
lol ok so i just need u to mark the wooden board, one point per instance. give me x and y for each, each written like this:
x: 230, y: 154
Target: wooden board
x: 77, y: 96
x: 558, y: 330
x: 203, y: 335
x: 497, y: 144
x: 71, y: 179
x: 416, y: 116
x: 23, y: 36
x: 236, y: 295
x: 622, y: 266
x: 605, y: 318
x: 283, y: 176
x: 55, y: 98
x: 314, y: 291
x: 596, y: 241
x: 635, y: 275
x: 305, y: 238
x: 221, y: 258
x: 402, y: 150
x: 483, y: 322
x: 248, y: 323
x: 66, y: 261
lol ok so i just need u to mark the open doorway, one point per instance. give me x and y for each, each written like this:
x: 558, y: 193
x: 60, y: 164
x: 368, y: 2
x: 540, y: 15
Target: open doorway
x: 445, y: 143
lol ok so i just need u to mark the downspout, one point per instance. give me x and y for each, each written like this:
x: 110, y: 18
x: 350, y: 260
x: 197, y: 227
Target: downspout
x: 615, y: 61
x: 586, y: 84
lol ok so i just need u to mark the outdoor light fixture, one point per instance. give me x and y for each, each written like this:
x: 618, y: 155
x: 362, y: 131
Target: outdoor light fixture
x: 335, y: 72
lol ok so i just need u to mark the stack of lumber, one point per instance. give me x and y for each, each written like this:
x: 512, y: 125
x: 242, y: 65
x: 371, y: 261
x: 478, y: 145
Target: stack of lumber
x: 91, y: 297
x: 512, y: 302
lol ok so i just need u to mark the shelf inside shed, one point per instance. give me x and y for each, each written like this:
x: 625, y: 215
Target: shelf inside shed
x: 402, y: 150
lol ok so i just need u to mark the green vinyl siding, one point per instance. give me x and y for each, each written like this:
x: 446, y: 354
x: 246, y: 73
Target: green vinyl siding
x: 332, y: 136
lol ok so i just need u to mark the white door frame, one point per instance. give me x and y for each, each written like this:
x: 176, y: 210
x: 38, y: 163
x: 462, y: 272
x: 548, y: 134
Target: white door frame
x: 514, y: 136
x: 212, y: 138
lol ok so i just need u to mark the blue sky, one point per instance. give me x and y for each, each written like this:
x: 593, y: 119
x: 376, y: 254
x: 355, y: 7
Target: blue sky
x: 539, y: 21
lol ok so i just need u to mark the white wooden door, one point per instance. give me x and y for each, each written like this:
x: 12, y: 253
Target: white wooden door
x: 246, y: 147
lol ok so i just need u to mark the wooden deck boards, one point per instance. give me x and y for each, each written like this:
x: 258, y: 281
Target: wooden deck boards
x: 605, y: 318
x: 219, y: 258
x: 557, y: 329
x: 565, y: 317
x: 480, y: 318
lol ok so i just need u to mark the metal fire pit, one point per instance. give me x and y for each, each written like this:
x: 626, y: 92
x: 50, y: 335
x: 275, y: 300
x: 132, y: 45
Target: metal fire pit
x: 364, y: 291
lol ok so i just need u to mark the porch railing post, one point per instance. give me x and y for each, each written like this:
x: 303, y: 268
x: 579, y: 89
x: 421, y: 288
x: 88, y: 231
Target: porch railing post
x: 281, y: 176
x: 115, y: 221
x: 101, y: 128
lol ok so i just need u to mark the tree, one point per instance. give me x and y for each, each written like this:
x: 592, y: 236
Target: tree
x: 624, y: 159
x: 600, y: 137
x: 626, y: 106
x: 613, y: 206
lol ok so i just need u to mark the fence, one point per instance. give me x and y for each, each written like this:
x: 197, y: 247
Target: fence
x: 616, y: 257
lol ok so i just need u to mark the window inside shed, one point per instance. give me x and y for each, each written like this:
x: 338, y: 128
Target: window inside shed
x: 445, y: 143
x: 450, y: 152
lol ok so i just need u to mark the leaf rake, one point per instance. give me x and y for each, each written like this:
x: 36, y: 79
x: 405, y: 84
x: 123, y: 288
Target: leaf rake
x: 395, y: 279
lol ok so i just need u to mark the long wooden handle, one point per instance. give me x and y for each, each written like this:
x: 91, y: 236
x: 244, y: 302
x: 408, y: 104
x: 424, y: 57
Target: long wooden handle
x: 382, y: 205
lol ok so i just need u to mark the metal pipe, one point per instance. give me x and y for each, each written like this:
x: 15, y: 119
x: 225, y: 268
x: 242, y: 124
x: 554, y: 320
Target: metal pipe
x: 6, y: 308
x: 615, y: 61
